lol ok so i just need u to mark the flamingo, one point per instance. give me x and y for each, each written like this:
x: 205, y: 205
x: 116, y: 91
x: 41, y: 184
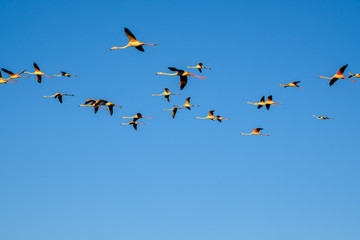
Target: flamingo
x: 354, y: 75
x: 14, y: 76
x: 59, y: 96
x: 293, y: 84
x: 92, y: 103
x: 183, y: 76
x: 270, y: 102
x: 210, y: 116
x: 138, y: 116
x: 259, y: 104
x: 38, y: 73
x: 200, y: 66
x: 256, y: 131
x: 134, y: 123
x: 133, y: 42
x: 110, y: 105
x: 338, y: 76
x: 323, y: 118
x: 167, y: 94
x: 64, y: 74
x: 174, y: 110
x: 187, y: 104
x: 2, y: 80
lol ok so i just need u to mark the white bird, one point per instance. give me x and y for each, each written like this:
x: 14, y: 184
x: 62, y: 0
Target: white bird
x: 200, y: 66
x: 256, y: 131
x: 167, y: 94
x: 38, y: 73
x: 133, y: 42
x: 323, y: 118
x: 187, y: 104
x: 59, y: 96
x: 174, y: 110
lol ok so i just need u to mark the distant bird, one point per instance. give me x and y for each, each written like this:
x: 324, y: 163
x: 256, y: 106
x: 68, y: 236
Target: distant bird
x: 323, y: 118
x: 59, y: 96
x: 210, y: 116
x: 338, y: 76
x: 38, y: 73
x: 354, y: 75
x: 133, y: 42
x: 256, y: 131
x: 219, y: 118
x: 2, y: 80
x: 259, y: 104
x: 183, y: 76
x: 138, y: 116
x: 270, y: 102
x: 167, y: 94
x: 14, y: 76
x: 95, y: 104
x: 174, y: 110
x: 134, y: 123
x: 200, y: 66
x: 110, y: 105
x: 293, y: 84
x: 64, y: 74
x: 187, y: 104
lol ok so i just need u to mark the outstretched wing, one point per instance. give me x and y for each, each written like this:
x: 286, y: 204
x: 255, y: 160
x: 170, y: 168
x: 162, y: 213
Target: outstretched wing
x: 38, y: 77
x: 333, y: 80
x: 268, y: 106
x: 60, y: 98
x: 135, y: 126
x: 36, y: 67
x: 262, y: 99
x: 296, y: 82
x: 111, y: 109
x: 342, y: 69
x: 8, y: 72
x: 173, y: 69
x: 131, y: 36
x: 183, y: 82
x: 140, y: 48
x: 167, y: 98
x: 174, y: 112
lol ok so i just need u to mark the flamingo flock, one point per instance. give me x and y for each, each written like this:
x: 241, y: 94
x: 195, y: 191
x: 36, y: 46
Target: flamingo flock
x: 133, y: 42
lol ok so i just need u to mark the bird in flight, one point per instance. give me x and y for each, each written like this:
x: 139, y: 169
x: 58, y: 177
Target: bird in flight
x: 167, y: 94
x: 14, y: 76
x: 259, y: 104
x: 200, y: 66
x: 133, y: 42
x: 256, y: 131
x: 59, y: 96
x: 95, y: 104
x: 64, y: 74
x: 293, y: 84
x: 174, y: 110
x: 2, y: 80
x: 354, y: 75
x: 270, y: 102
x: 338, y: 76
x: 38, y: 73
x: 187, y: 104
x: 219, y: 118
x: 323, y: 118
x: 210, y: 116
x: 138, y: 116
x: 183, y: 76
x: 134, y: 123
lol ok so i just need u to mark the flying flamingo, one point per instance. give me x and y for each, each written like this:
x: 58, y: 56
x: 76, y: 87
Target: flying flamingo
x: 259, y: 104
x: 256, y: 131
x: 187, y: 104
x: 200, y: 66
x: 270, y: 102
x: 133, y: 42
x: 64, y: 74
x: 138, y: 116
x: 167, y: 94
x: 338, y: 76
x: 59, y: 96
x: 92, y: 103
x: 210, y: 116
x: 354, y: 75
x: 323, y: 118
x: 38, y: 73
x: 183, y: 76
x: 110, y: 105
x: 174, y: 110
x: 134, y: 123
x: 293, y: 84
x: 14, y: 76
x: 2, y: 80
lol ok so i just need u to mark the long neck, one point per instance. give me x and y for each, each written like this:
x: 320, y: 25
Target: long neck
x: 324, y: 77
x: 113, y: 48
x: 169, y: 74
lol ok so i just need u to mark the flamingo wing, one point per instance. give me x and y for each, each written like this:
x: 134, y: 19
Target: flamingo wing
x: 333, y: 80
x: 135, y: 126
x: 173, y: 69
x: 60, y: 98
x: 36, y: 67
x: 111, y: 109
x: 8, y: 72
x: 174, y: 112
x: 38, y: 77
x: 262, y: 99
x: 140, y: 48
x: 167, y: 98
x: 342, y: 69
x: 183, y: 82
x: 131, y: 36
x: 296, y: 82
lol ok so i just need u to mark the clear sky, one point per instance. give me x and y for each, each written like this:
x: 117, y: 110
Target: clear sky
x: 66, y: 173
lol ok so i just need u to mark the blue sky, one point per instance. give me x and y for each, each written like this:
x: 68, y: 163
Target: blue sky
x: 66, y: 173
